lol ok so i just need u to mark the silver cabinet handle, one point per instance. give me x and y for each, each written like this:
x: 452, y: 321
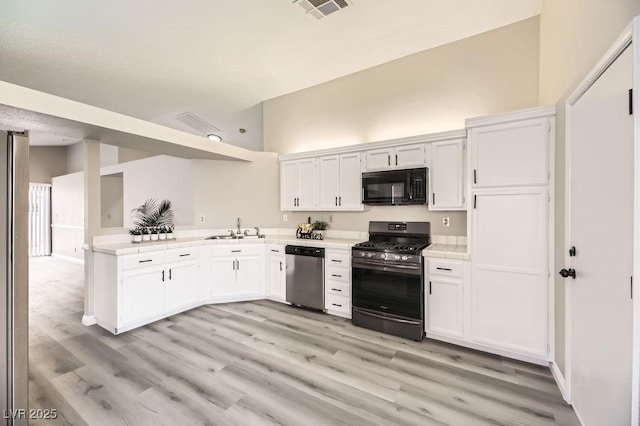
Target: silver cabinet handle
x: 185, y: 255
x: 335, y: 304
x: 236, y: 251
x: 238, y: 263
x: 162, y: 276
x: 336, y: 289
x: 336, y: 260
x: 337, y: 276
x: 388, y: 159
x: 169, y: 274
x: 396, y: 159
x: 443, y: 269
x: 340, y: 200
x: 275, y: 251
x: 280, y: 266
x: 336, y: 201
x: 145, y: 261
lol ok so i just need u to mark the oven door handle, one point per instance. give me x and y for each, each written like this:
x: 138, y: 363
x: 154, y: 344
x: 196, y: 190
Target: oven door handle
x: 381, y: 266
x: 371, y: 314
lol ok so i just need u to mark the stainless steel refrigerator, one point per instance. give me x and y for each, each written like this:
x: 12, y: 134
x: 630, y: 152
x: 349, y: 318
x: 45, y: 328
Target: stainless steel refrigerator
x: 14, y: 265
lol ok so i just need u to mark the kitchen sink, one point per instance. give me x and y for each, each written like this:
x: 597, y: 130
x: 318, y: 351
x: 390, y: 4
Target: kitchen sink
x: 232, y: 237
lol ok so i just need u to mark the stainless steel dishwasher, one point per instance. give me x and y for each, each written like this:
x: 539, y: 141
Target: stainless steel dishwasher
x: 305, y: 276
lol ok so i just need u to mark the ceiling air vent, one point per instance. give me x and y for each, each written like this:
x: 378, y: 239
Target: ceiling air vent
x: 197, y: 123
x: 321, y: 8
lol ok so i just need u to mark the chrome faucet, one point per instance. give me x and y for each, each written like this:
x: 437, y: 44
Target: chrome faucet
x: 239, y: 231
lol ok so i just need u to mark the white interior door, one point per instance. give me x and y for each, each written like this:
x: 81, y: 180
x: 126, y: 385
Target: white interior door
x: 39, y: 219
x: 600, y: 227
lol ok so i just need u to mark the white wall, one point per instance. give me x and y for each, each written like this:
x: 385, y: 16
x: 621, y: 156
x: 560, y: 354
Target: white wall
x: 573, y: 37
x: 431, y: 91
x: 160, y: 177
x: 67, y: 215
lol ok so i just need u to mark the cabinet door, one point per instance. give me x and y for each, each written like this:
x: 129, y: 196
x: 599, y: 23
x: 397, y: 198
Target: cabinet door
x: 181, y: 285
x: 143, y: 294
x: 350, y: 182
x: 306, y: 184
x: 249, y: 275
x: 509, y: 289
x: 329, y: 182
x: 223, y: 276
x: 444, y: 307
x: 510, y: 154
x: 446, y: 175
x: 409, y: 156
x: 379, y: 159
x: 277, y: 286
x: 288, y: 185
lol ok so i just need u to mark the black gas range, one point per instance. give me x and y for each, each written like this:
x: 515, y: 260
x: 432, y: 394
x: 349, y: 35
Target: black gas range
x: 388, y: 278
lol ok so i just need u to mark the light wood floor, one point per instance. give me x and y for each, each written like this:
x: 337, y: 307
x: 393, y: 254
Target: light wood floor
x: 262, y: 363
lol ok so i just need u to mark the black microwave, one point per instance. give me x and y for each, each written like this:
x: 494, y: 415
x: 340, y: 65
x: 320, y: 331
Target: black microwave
x: 395, y: 187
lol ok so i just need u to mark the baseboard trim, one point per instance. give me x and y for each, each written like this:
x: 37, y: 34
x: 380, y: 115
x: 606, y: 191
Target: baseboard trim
x: 557, y: 375
x: 89, y: 320
x: 67, y: 258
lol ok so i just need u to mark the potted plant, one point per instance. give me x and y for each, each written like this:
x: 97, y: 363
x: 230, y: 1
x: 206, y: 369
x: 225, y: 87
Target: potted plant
x: 136, y: 235
x: 152, y: 216
x: 169, y: 229
x: 319, y: 226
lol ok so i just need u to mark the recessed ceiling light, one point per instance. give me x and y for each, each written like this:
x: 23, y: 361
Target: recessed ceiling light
x: 214, y: 137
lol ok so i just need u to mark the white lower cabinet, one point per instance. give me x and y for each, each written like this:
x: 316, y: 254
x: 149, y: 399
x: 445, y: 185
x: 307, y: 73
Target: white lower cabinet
x: 276, y: 273
x: 143, y: 295
x: 337, y: 282
x: 133, y: 290
x: 444, y: 293
x: 236, y: 272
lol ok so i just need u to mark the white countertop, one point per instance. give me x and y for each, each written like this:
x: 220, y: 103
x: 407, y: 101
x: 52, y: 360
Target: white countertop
x: 446, y: 251
x: 147, y: 246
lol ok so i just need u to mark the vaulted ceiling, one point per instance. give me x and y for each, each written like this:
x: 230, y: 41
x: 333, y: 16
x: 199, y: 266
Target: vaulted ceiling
x: 219, y: 59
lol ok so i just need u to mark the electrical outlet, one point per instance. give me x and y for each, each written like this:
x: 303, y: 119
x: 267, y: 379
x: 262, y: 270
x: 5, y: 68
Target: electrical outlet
x: 330, y: 218
x: 202, y: 219
x: 285, y: 218
x: 445, y: 221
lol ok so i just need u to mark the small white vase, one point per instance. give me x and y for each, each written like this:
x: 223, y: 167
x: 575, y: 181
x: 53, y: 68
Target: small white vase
x: 154, y: 237
x: 137, y: 238
x: 162, y: 236
x: 146, y: 237
x: 169, y: 235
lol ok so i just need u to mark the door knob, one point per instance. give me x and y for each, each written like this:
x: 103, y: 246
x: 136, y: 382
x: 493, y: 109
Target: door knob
x: 568, y: 273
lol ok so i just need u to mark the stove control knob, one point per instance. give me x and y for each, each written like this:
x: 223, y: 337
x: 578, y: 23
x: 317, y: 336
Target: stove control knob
x: 383, y: 256
x: 370, y: 254
x: 396, y: 257
x: 362, y: 254
x: 405, y: 257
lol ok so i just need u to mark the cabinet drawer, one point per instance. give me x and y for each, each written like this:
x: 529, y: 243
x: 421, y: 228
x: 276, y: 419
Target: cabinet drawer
x: 275, y: 250
x: 143, y: 260
x: 237, y: 250
x: 338, y: 258
x: 181, y: 255
x: 337, y: 273
x: 447, y: 268
x: 338, y: 288
x: 338, y: 304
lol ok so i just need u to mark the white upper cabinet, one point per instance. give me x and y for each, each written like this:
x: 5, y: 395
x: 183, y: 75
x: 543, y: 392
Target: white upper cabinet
x: 510, y: 154
x: 329, y: 181
x: 446, y: 181
x: 340, y: 182
x: 297, y: 184
x: 401, y: 157
x: 350, y: 182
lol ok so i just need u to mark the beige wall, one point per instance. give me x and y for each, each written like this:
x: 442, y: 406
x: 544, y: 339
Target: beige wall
x: 111, y: 201
x: 126, y: 154
x: 573, y: 36
x: 225, y: 190
x: 431, y: 91
x: 75, y: 157
x: 46, y: 162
